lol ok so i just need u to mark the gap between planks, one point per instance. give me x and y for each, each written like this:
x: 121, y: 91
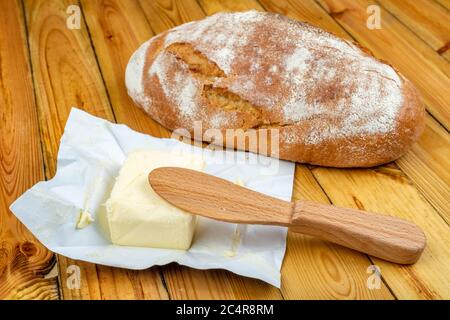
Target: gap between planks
x: 24, y: 261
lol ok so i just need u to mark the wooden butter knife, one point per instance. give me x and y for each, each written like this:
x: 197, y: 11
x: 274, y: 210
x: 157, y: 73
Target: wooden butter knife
x: 385, y: 237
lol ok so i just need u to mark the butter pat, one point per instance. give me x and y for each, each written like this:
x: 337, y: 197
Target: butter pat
x: 84, y: 219
x: 137, y: 216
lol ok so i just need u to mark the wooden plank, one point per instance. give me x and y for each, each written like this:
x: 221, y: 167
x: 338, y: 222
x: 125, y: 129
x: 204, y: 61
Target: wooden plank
x: 165, y: 14
x: 377, y: 191
x: 188, y: 283
x: 424, y: 163
x: 117, y: 28
x: 382, y: 184
x: 66, y: 74
x: 444, y: 3
x: 398, y: 45
x: 305, y: 11
x: 212, y: 6
x: 427, y: 165
x: 427, y: 19
x: 101, y: 282
x: 24, y: 261
x: 446, y: 55
x: 314, y: 269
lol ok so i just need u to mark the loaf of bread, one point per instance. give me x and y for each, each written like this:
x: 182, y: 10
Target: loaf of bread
x: 330, y: 101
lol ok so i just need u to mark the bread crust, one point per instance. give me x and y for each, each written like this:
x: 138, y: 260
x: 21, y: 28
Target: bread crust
x: 331, y: 102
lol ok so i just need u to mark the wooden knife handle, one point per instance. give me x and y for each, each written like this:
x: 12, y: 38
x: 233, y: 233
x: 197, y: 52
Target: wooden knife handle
x: 381, y: 236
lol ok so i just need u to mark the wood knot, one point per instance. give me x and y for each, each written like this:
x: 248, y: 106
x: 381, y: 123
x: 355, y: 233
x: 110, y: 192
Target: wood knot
x: 3, y: 257
x: 339, y: 13
x: 28, y: 249
x: 109, y: 36
x: 444, y: 48
x: 358, y: 203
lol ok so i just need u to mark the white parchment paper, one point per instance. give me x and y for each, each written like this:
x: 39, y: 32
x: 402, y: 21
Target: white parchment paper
x: 90, y: 155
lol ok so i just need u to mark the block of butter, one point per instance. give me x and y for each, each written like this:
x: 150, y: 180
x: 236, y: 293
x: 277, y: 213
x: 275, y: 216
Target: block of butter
x: 137, y: 216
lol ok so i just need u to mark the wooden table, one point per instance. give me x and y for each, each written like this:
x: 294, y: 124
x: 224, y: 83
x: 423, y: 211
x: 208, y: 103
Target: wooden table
x: 46, y: 68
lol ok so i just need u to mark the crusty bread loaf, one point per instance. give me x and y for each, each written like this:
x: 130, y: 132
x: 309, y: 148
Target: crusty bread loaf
x: 331, y: 101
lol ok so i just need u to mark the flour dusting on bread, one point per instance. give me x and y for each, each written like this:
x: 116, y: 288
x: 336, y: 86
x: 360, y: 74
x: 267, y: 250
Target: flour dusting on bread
x: 212, y: 37
x: 255, y: 70
x: 134, y: 76
x: 178, y: 85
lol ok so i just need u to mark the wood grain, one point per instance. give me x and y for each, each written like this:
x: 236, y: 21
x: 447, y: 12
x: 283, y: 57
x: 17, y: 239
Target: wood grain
x: 213, y: 6
x: 66, y: 74
x: 398, y: 45
x: 188, y: 283
x: 165, y: 14
x: 427, y: 166
x: 444, y: 3
x: 378, y: 192
x: 24, y: 261
x: 316, y: 269
x: 117, y: 29
x: 427, y: 19
x: 389, y: 238
x: 307, y: 11
x: 446, y: 55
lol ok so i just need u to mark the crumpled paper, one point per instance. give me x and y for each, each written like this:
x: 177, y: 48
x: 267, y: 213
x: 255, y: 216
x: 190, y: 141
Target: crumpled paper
x: 90, y: 155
